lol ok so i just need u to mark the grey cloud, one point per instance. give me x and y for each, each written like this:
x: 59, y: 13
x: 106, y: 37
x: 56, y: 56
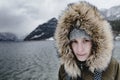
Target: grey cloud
x: 32, y: 12
x: 12, y: 20
x: 17, y: 17
x: 9, y: 18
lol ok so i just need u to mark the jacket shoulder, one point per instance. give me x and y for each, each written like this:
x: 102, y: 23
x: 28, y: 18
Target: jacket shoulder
x: 113, y: 70
x: 114, y: 62
x: 117, y: 68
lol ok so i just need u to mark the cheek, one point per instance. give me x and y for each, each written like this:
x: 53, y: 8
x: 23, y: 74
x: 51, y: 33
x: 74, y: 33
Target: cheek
x: 74, y: 48
x: 88, y: 48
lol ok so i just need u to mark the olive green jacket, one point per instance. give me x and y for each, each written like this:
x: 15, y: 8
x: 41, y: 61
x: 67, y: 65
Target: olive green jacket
x: 111, y: 73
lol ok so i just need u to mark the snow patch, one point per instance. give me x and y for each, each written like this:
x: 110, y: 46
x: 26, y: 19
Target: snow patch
x: 37, y: 36
x: 50, y: 38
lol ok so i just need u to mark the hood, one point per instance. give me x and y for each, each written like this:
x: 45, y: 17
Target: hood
x: 87, y: 17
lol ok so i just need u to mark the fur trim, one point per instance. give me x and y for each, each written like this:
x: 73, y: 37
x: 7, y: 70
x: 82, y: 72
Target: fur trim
x: 84, y: 16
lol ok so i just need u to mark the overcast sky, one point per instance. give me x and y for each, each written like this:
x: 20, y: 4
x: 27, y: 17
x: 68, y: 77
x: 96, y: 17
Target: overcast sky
x: 23, y: 16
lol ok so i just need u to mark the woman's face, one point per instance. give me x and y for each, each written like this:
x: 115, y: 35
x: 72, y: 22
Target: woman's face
x: 81, y: 48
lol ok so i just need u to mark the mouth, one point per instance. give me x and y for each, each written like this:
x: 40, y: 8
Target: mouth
x: 81, y: 54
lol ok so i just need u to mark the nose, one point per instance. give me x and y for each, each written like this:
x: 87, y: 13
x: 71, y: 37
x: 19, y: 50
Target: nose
x: 80, y: 47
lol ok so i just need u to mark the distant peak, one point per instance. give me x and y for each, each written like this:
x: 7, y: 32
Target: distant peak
x: 53, y: 20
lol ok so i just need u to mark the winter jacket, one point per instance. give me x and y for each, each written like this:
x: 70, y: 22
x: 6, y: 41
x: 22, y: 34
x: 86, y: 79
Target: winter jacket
x: 87, y: 17
x: 111, y: 73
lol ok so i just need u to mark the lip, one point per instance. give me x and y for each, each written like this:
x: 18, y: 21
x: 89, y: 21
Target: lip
x: 81, y: 54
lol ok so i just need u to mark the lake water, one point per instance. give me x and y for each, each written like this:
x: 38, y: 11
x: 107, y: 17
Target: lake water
x: 34, y: 60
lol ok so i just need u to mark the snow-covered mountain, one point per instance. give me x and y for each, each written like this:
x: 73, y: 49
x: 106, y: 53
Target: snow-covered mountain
x: 112, y: 14
x: 43, y: 31
x: 6, y: 36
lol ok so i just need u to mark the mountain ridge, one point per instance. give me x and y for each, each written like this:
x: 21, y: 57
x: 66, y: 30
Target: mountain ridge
x: 43, y: 31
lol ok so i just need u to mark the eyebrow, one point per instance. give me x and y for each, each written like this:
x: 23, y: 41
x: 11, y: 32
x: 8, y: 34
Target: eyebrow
x: 73, y: 40
x: 88, y: 38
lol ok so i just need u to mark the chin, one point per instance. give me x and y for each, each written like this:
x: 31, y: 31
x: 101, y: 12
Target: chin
x: 82, y: 59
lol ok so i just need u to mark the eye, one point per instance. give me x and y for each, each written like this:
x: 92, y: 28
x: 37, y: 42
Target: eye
x: 73, y: 41
x: 87, y: 40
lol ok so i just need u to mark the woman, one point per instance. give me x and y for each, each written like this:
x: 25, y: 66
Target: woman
x: 85, y: 42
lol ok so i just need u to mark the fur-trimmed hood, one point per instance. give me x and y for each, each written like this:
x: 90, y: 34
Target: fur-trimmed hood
x: 87, y: 17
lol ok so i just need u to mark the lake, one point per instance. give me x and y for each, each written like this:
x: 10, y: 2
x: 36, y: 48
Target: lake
x: 32, y: 60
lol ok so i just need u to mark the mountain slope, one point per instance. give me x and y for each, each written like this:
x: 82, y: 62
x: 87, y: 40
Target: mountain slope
x: 7, y: 36
x: 112, y: 13
x: 43, y: 31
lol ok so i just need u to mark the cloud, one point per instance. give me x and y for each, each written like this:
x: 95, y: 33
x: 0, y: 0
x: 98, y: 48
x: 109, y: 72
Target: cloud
x: 17, y: 18
x: 10, y: 18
